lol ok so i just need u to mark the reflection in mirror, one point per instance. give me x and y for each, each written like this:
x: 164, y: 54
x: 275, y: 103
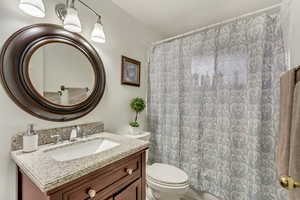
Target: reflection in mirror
x: 61, y: 74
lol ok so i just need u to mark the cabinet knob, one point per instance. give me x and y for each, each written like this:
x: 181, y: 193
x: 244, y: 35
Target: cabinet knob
x: 92, y: 193
x: 129, y: 171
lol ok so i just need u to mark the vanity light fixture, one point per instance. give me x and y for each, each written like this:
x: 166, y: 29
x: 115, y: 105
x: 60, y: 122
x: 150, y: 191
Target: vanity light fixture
x: 69, y: 16
x: 35, y: 8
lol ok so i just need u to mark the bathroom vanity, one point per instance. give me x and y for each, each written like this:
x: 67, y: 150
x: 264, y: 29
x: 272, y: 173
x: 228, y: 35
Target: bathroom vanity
x: 108, y: 167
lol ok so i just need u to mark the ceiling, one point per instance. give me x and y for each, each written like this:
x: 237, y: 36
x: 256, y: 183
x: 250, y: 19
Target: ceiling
x: 173, y: 17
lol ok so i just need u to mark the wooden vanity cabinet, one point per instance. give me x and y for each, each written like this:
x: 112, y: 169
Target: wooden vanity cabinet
x: 122, y: 180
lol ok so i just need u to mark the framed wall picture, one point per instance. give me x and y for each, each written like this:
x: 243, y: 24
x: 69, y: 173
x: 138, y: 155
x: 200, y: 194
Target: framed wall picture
x: 131, y: 72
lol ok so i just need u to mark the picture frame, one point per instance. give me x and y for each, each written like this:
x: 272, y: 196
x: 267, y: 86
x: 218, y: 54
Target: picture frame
x: 130, y: 72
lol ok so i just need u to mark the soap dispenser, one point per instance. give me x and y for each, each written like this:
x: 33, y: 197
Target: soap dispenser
x: 30, y: 140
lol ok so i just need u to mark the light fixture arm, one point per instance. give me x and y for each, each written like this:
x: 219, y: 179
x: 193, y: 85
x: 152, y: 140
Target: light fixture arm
x: 72, y: 5
x: 91, y: 9
x: 60, y: 9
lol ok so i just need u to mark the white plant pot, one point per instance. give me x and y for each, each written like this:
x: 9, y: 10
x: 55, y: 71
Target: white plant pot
x: 134, y: 130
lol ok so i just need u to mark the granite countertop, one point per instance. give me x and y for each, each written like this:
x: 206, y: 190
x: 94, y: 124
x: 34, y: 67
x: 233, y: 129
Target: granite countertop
x: 48, y: 173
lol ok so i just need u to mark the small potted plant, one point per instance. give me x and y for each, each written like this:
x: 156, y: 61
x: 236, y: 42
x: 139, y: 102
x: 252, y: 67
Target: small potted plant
x: 138, y: 105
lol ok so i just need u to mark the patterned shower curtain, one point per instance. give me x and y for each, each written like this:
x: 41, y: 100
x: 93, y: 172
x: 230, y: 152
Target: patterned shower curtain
x: 213, y: 107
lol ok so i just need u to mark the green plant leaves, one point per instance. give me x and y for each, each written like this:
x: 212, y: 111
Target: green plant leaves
x: 138, y: 104
x: 134, y: 124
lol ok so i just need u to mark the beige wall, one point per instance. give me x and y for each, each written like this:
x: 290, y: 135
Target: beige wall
x: 125, y: 36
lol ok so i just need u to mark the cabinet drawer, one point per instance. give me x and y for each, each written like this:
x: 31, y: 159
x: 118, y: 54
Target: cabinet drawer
x: 124, y: 173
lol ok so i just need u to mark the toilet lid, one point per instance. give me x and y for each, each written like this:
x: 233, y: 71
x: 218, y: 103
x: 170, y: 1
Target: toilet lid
x: 166, y: 174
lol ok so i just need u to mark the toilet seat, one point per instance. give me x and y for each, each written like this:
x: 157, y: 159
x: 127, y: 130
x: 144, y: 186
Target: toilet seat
x: 167, y: 176
x: 165, y: 185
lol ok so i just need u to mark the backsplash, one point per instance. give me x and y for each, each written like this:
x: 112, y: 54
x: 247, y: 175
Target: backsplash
x: 45, y: 134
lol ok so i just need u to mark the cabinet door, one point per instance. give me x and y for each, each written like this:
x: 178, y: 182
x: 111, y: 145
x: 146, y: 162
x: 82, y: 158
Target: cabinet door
x: 132, y: 192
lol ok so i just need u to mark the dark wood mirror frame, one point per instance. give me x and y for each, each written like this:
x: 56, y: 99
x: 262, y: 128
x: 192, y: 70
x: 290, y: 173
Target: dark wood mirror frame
x: 14, y: 60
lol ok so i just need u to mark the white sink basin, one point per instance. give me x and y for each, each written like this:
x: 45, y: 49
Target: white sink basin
x: 82, y: 149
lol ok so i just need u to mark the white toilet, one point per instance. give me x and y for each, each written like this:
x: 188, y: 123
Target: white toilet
x: 164, y: 182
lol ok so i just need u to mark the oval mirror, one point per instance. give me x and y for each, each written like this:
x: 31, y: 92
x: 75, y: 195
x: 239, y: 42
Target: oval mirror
x: 61, y: 74
x: 52, y: 73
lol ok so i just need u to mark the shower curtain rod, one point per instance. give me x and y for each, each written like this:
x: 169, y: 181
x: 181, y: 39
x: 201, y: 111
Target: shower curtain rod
x: 216, y: 24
